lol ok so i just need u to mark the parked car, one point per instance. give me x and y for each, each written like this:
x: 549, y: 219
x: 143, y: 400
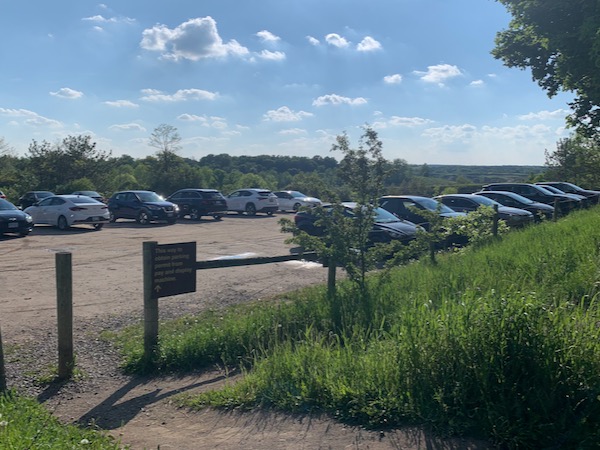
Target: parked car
x: 386, y: 227
x: 514, y: 217
x: 536, y: 193
x: 143, y: 206
x: 252, y: 201
x: 518, y: 201
x: 196, y: 203
x: 294, y: 200
x: 581, y: 200
x: 93, y: 194
x: 64, y: 211
x: 400, y: 206
x: 32, y: 197
x: 2, y: 195
x: 13, y: 220
x: 571, y: 188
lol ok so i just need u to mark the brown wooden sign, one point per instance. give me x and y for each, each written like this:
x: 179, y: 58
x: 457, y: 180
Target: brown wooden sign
x: 173, y: 269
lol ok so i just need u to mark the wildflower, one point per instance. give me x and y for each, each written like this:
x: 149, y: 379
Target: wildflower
x: 84, y: 441
x: 3, y: 423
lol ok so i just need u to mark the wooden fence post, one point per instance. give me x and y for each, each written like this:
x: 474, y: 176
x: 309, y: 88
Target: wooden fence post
x: 2, y: 370
x: 555, y: 213
x: 64, y: 313
x: 150, y: 305
x: 495, y: 221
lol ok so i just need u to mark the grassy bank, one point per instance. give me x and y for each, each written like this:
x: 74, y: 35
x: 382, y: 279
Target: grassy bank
x: 25, y: 424
x: 500, y: 342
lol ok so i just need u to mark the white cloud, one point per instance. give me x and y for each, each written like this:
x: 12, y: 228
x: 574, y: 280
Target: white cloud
x: 101, y: 19
x: 194, y: 40
x: 206, y: 121
x: 313, y: 41
x: 477, y: 83
x: 393, y: 79
x: 267, y: 36
x: 128, y: 127
x: 397, y: 121
x: 336, y: 40
x: 67, y: 93
x: 122, y: 104
x: 292, y: 132
x: 334, y: 99
x: 439, y: 74
x: 31, y: 118
x: 181, y: 95
x: 271, y: 56
x: 368, y: 44
x: 545, y: 115
x: 285, y: 114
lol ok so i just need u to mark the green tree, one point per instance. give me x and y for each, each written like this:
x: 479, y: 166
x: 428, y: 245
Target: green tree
x: 559, y: 41
x: 166, y: 139
x: 576, y: 159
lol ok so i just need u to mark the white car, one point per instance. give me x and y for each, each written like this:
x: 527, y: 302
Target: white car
x: 251, y: 201
x: 63, y: 211
x: 293, y: 200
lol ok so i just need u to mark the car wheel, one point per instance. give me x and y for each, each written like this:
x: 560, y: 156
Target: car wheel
x: 217, y: 217
x: 171, y: 221
x: 62, y: 223
x: 143, y: 218
x: 251, y: 209
x: 112, y: 218
x: 296, y: 207
x: 98, y: 226
x: 195, y: 214
x: 24, y: 233
x: 269, y: 213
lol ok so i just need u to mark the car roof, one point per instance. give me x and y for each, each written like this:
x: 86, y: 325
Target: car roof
x: 197, y: 190
x: 410, y: 197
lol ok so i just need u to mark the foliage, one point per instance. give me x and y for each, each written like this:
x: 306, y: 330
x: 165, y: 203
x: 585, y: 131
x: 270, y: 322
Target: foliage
x: 576, y: 159
x: 558, y: 41
x: 24, y: 423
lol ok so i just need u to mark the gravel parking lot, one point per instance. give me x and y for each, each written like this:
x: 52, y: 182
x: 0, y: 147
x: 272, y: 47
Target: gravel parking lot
x: 107, y: 269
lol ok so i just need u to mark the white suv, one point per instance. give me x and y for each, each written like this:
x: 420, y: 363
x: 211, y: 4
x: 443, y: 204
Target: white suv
x: 251, y: 201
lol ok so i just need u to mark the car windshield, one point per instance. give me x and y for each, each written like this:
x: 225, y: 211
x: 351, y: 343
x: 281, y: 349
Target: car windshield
x: 485, y: 201
x: 83, y: 199
x: 88, y: 193
x: 44, y: 194
x: 5, y: 205
x: 520, y: 198
x: 384, y: 216
x: 553, y: 189
x: 149, y: 197
x: 544, y: 190
x: 432, y: 205
x: 297, y: 194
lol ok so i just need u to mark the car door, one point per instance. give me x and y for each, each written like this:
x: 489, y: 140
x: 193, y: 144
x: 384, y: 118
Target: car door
x: 285, y: 201
x: 460, y: 204
x: 235, y: 200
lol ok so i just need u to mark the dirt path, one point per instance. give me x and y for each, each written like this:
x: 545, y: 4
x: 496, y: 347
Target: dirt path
x: 107, y: 295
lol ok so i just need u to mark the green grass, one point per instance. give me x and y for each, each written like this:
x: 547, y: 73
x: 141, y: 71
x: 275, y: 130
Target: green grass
x: 500, y: 341
x: 25, y: 424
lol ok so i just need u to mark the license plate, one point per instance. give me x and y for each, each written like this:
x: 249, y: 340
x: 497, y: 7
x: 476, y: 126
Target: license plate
x: 13, y: 225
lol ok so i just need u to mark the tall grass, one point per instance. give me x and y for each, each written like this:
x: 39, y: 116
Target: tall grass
x: 501, y: 342
x: 25, y: 424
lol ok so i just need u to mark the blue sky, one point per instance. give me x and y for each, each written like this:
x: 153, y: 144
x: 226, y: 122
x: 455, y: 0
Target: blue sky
x: 276, y: 77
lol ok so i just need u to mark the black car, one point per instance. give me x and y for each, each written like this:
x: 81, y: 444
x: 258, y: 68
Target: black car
x: 518, y: 201
x: 514, y: 217
x: 143, y: 206
x: 13, y: 220
x: 92, y: 194
x: 32, y: 197
x: 570, y: 188
x: 386, y: 227
x: 402, y: 206
x: 537, y: 194
x: 196, y: 203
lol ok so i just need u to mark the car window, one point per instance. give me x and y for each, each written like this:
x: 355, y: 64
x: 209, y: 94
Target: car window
x: 84, y: 199
x: 149, y: 197
x: 177, y: 196
x: 193, y: 194
x: 45, y: 202
x: 6, y: 205
x: 264, y: 193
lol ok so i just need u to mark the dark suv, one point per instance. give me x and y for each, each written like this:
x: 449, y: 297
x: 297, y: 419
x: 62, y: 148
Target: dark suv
x: 143, y: 206
x: 196, y: 203
x: 536, y: 193
x: 570, y: 188
x: 32, y: 197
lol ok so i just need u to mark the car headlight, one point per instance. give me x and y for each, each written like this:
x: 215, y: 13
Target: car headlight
x: 28, y: 218
x: 395, y: 234
x: 154, y: 207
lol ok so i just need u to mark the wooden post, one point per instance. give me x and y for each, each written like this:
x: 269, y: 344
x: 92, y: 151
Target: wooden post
x: 555, y: 213
x: 64, y: 314
x: 2, y: 370
x: 150, y: 305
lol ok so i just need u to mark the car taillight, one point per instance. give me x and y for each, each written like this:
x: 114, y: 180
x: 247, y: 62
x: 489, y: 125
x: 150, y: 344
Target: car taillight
x: 76, y: 208
x: 104, y: 207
